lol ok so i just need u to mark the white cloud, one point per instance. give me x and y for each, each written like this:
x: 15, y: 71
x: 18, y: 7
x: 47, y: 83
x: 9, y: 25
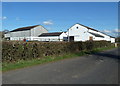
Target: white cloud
x: 48, y: 22
x: 107, y: 31
x: 116, y: 30
x: 113, y: 32
x: 3, y: 18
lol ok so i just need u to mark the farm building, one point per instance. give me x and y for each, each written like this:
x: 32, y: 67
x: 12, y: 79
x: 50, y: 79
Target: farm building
x: 55, y: 36
x: 28, y: 33
x: 79, y: 32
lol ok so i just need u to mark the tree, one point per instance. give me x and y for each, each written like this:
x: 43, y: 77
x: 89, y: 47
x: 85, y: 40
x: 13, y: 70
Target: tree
x: 4, y: 32
x: 118, y: 39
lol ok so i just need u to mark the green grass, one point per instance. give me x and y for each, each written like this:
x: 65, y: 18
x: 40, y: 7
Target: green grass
x: 32, y: 62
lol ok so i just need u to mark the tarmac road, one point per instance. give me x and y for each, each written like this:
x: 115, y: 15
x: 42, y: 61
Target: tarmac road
x: 99, y: 68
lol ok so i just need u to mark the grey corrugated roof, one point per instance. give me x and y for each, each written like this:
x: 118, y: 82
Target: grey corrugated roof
x: 50, y: 34
x: 97, y: 35
x: 24, y: 28
x: 94, y: 29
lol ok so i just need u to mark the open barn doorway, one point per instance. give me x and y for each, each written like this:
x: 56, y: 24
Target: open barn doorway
x: 71, y: 38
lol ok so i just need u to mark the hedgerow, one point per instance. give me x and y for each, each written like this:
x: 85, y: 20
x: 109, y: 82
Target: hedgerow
x: 18, y: 50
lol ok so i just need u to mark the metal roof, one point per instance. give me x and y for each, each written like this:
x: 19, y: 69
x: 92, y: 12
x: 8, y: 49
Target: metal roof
x: 50, y: 34
x: 94, y: 29
x: 24, y: 28
x: 97, y: 35
x: 87, y: 27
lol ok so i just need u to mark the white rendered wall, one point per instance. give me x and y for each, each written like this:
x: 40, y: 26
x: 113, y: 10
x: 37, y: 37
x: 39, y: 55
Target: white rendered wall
x: 62, y: 36
x: 47, y: 38
x: 112, y: 40
x: 80, y: 33
x: 106, y: 38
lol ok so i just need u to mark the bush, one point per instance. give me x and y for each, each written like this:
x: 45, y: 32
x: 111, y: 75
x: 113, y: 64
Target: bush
x: 18, y: 50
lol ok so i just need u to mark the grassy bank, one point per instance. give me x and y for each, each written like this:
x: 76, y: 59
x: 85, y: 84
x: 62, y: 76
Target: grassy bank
x: 32, y: 62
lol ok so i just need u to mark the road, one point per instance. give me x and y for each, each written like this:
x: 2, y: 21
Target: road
x: 99, y: 68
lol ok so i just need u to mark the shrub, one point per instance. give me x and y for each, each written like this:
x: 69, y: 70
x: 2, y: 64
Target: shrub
x: 18, y: 50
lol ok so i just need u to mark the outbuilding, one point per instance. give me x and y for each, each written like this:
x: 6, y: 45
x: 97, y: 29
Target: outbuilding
x: 53, y: 36
x: 28, y: 33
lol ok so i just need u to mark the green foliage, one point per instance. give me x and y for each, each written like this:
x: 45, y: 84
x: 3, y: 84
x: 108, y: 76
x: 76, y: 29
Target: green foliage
x: 118, y: 39
x: 31, y: 62
x: 13, y: 51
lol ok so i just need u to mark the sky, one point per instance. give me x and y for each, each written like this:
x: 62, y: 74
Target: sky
x: 60, y: 16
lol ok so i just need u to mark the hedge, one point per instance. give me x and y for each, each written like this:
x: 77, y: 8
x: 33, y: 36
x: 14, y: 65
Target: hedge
x: 18, y: 50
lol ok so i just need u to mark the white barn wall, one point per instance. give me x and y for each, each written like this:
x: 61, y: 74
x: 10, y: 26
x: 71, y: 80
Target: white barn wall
x: 51, y: 38
x: 96, y: 38
x: 7, y: 34
x: 62, y: 36
x: 17, y: 38
x: 107, y: 38
x: 19, y: 35
x: 35, y: 32
x: 79, y: 34
x: 112, y: 40
x: 90, y: 35
x: 26, y: 34
x: 82, y: 34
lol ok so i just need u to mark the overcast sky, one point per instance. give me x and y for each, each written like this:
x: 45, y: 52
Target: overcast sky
x: 59, y: 16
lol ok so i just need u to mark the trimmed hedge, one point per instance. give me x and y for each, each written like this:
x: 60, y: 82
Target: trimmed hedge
x: 18, y: 50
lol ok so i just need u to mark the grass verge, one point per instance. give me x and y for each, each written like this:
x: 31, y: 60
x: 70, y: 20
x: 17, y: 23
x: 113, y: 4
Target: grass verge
x: 32, y: 62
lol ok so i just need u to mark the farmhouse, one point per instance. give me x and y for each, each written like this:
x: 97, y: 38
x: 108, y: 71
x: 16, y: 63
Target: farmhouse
x: 28, y: 33
x: 79, y: 32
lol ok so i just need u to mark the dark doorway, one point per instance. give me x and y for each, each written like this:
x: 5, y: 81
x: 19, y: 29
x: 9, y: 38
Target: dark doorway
x: 71, y: 38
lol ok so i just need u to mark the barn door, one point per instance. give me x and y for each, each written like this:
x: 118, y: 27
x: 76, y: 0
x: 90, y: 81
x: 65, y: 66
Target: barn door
x: 90, y: 38
x: 71, y: 38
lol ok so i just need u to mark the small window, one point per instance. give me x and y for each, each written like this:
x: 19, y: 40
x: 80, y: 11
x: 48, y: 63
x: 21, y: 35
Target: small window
x: 77, y: 27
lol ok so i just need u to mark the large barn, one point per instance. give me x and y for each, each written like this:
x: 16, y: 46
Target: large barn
x: 79, y: 32
x: 28, y: 33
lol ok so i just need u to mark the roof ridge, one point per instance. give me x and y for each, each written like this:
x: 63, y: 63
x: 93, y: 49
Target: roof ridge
x: 88, y: 27
x: 24, y: 28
